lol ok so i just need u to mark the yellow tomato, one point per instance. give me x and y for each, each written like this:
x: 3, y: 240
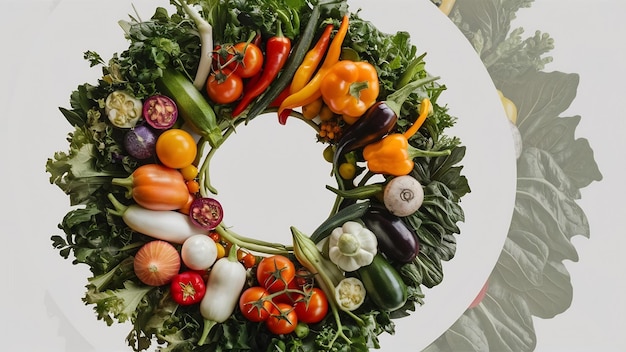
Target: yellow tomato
x: 176, y: 148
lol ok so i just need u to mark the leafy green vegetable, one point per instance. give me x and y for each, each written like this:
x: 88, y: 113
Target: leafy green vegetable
x: 530, y: 278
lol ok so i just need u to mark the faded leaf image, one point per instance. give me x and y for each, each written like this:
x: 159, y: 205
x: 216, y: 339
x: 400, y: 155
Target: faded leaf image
x: 530, y: 279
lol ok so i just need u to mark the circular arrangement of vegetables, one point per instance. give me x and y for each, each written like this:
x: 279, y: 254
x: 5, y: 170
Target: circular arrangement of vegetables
x: 149, y: 223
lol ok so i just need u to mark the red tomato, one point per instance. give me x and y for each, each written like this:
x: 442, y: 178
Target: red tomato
x: 304, y: 277
x: 224, y: 87
x: 315, y: 309
x: 282, y: 319
x: 290, y: 297
x: 253, y: 306
x: 250, y: 60
x: 275, y: 272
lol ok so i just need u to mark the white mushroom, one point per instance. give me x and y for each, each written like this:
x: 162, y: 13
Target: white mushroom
x: 403, y: 195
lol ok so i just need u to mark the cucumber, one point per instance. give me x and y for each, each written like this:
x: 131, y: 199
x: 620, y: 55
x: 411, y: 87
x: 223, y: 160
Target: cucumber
x: 192, y: 105
x: 383, y: 284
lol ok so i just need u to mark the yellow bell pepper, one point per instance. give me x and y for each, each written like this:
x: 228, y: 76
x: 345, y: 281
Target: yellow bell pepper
x: 393, y: 155
x: 350, y: 88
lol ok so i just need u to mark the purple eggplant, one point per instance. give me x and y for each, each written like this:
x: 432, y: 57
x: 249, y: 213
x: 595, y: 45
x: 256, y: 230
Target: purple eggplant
x: 379, y: 120
x: 395, y: 239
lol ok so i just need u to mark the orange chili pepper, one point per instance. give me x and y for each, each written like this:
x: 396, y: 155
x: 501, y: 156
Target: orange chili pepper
x: 393, y: 155
x: 311, y: 91
x: 311, y: 61
x: 350, y: 88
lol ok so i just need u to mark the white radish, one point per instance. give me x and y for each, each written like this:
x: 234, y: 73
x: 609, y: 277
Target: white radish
x: 199, y: 252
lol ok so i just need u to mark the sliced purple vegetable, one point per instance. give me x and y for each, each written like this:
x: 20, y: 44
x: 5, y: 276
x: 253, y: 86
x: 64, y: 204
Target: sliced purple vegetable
x: 206, y: 213
x: 160, y: 111
x: 140, y: 142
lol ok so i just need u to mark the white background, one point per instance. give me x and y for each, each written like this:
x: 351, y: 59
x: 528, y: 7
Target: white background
x: 589, y: 41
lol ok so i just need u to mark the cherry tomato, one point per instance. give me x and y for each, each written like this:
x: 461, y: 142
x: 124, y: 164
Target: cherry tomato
x: 314, y: 308
x: 253, y: 306
x: 221, y: 251
x: 282, y: 320
x: 224, y: 87
x: 246, y: 258
x: 193, y: 186
x: 290, y: 297
x: 189, y: 172
x: 251, y: 59
x: 347, y: 171
x: 215, y: 236
x: 304, y: 278
x: 222, y: 56
x: 275, y: 272
x: 176, y: 148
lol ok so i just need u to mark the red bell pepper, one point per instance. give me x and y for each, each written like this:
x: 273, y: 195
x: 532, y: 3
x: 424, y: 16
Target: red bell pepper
x: 187, y: 288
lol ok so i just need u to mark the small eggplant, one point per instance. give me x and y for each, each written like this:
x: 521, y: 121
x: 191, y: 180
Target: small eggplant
x: 378, y: 121
x: 395, y: 239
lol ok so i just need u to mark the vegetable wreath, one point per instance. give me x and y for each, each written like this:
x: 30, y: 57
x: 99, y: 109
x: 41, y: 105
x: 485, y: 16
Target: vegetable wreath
x: 147, y: 220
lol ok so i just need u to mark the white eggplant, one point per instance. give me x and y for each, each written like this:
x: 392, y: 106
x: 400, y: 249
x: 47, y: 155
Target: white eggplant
x: 226, y: 281
x: 166, y: 225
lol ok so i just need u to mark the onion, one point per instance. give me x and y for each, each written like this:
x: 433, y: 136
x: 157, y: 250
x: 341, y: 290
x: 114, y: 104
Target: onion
x: 156, y: 263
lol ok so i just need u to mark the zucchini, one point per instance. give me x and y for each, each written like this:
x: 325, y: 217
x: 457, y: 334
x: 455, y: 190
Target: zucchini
x: 383, y: 284
x: 351, y: 212
x: 192, y: 105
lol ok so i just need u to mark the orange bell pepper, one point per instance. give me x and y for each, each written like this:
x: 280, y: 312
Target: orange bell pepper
x: 393, y: 155
x: 156, y: 187
x: 350, y: 88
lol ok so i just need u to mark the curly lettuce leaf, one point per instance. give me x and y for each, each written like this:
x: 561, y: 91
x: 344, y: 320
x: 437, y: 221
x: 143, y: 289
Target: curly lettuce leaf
x: 120, y: 304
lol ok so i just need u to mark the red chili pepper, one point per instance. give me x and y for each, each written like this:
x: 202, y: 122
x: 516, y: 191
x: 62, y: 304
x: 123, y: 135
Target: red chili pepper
x: 277, y: 51
x: 187, y: 288
x: 282, y: 118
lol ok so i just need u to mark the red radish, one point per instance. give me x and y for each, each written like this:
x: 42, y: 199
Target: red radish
x: 160, y: 111
x: 206, y: 213
x: 156, y: 263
